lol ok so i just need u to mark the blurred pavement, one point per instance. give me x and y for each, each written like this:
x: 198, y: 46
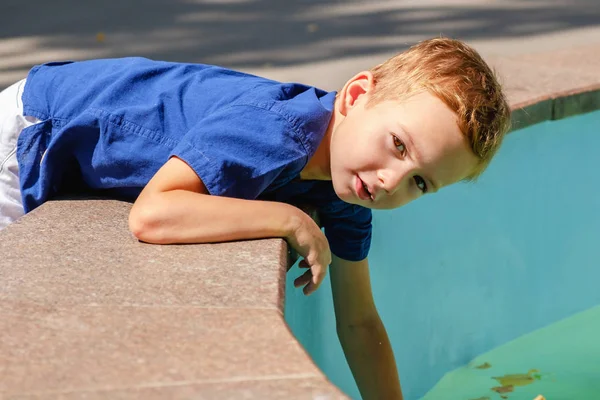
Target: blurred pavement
x: 317, y: 42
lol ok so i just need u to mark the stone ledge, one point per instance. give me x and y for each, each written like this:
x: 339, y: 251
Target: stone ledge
x: 550, y: 85
x: 87, y: 310
x: 560, y: 105
x: 127, y: 320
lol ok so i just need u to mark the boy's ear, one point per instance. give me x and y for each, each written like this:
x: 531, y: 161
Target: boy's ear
x: 359, y: 85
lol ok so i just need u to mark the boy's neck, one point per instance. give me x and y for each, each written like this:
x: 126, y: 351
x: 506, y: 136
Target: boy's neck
x: 319, y: 167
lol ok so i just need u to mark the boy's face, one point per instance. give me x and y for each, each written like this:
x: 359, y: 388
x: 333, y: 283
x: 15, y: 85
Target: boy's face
x: 391, y: 153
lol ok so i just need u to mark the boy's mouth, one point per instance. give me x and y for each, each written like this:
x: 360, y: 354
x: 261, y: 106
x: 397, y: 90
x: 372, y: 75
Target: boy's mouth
x: 362, y: 190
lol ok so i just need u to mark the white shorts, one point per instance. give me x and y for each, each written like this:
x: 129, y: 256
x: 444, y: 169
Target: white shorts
x: 12, y: 122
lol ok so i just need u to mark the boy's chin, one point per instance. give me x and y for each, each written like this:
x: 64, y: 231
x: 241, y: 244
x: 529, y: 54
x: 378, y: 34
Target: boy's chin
x: 342, y: 192
x: 345, y: 193
x: 348, y: 197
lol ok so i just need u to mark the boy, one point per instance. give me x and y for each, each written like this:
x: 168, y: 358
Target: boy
x: 210, y: 154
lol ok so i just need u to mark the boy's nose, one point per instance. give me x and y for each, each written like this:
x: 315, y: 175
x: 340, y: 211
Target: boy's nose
x: 389, y: 181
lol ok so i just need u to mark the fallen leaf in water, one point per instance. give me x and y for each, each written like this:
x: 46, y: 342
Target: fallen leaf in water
x: 485, y: 365
x: 515, y: 379
x: 312, y: 28
x: 482, y: 398
x: 100, y: 37
x: 503, y: 389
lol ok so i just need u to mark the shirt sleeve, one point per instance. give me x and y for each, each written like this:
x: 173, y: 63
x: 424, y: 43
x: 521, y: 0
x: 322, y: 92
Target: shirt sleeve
x: 348, y: 228
x: 239, y: 150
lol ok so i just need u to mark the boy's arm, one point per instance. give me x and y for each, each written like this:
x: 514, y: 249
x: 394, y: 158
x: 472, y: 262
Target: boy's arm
x: 361, y: 332
x: 175, y: 207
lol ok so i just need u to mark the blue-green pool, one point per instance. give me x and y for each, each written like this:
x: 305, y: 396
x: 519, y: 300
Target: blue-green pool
x: 504, y: 271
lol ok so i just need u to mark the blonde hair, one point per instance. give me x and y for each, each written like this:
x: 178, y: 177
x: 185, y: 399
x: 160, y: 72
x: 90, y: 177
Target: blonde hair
x: 457, y: 75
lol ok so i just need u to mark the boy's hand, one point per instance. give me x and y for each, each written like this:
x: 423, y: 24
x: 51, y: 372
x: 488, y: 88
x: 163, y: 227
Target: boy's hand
x: 311, y: 244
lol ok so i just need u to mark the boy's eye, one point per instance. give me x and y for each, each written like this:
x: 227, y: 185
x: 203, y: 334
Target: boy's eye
x: 399, y: 144
x: 421, y: 184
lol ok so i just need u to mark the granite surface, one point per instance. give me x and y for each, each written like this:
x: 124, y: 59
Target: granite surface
x: 87, y: 311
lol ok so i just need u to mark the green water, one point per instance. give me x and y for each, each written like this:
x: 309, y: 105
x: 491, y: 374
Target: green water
x: 561, y: 362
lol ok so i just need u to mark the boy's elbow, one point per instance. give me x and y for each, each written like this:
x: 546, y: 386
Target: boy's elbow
x: 144, y: 224
x: 138, y: 226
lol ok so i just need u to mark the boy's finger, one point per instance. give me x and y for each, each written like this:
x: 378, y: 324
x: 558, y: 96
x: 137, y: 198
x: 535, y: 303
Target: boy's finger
x: 309, y: 288
x: 303, y: 279
x: 313, y: 284
x: 318, y: 278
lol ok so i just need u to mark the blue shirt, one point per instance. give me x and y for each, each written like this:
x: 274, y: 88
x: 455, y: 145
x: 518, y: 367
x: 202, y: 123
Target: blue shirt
x: 109, y: 125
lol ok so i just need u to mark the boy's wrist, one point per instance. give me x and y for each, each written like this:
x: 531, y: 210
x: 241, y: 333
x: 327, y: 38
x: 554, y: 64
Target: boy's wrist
x: 297, y: 219
x: 293, y: 222
x: 311, y: 211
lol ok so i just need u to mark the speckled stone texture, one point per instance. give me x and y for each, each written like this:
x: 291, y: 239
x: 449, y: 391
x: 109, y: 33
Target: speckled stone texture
x: 88, y: 312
